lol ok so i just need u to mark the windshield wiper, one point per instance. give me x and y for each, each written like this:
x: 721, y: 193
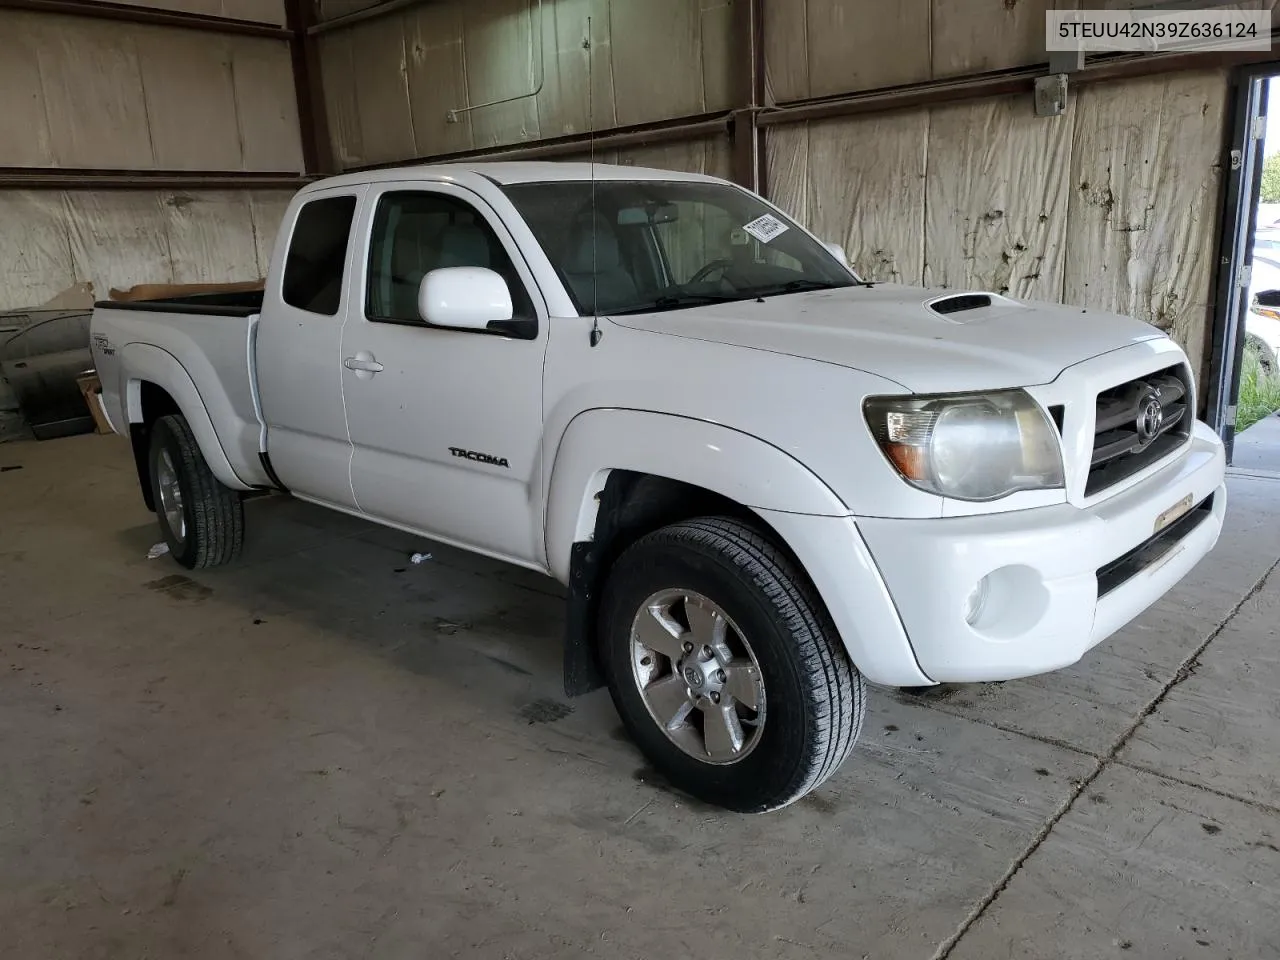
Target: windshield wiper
x: 796, y: 286
x: 677, y: 302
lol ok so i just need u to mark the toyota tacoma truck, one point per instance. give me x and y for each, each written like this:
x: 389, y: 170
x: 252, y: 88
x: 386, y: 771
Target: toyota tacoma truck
x: 764, y: 481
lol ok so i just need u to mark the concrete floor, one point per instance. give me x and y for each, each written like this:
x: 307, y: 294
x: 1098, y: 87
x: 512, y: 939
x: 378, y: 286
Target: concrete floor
x: 328, y: 752
x: 1257, y: 450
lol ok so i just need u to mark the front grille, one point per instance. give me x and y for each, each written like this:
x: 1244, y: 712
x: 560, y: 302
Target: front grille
x: 1122, y: 569
x: 1129, y: 435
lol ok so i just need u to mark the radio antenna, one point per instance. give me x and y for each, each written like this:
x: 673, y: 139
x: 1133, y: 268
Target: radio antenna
x: 596, y: 332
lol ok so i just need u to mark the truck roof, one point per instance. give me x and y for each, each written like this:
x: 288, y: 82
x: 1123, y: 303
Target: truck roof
x: 507, y: 172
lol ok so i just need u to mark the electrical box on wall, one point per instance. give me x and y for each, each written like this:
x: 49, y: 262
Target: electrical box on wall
x: 1051, y: 95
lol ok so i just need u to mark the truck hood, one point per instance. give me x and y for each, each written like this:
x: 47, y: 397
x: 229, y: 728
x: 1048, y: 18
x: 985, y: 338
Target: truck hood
x: 907, y: 335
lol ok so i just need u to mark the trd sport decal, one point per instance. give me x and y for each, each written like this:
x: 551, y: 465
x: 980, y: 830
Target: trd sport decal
x: 479, y: 457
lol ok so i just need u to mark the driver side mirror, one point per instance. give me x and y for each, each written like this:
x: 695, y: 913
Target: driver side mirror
x: 837, y: 251
x: 464, y: 298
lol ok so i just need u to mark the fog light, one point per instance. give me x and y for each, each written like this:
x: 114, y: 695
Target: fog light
x: 977, y: 600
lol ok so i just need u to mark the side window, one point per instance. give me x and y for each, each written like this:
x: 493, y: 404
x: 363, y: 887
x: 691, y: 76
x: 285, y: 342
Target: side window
x: 417, y: 232
x: 317, y: 257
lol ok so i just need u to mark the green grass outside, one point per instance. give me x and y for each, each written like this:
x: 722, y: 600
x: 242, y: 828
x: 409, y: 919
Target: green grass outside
x: 1259, y: 393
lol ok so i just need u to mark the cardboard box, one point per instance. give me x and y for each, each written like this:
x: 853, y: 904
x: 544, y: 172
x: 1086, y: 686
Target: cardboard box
x: 163, y: 291
x: 91, y: 390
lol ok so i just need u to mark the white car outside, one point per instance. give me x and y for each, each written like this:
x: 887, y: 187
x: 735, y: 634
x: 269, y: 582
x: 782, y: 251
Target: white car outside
x: 1262, y: 323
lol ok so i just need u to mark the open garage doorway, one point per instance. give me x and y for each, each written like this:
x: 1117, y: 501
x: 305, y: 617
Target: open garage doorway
x: 1244, y: 382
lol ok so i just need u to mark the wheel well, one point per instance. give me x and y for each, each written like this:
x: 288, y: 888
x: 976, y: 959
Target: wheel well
x: 154, y: 402
x: 631, y: 505
x: 635, y: 504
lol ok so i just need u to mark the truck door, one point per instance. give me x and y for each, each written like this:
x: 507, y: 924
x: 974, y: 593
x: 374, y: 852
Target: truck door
x: 446, y: 425
x: 299, y: 349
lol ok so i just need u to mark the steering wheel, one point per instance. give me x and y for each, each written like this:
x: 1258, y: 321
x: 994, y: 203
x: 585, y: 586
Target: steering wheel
x: 706, y: 270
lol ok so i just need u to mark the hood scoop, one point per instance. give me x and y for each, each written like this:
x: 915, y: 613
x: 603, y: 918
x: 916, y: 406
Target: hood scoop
x: 960, y: 303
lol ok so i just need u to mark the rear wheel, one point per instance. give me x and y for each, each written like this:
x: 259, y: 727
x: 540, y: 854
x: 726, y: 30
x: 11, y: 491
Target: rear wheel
x: 202, y: 521
x: 725, y: 668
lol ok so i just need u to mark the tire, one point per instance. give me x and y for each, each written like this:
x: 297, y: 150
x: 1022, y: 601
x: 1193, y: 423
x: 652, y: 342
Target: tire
x: 1266, y: 358
x: 211, y: 530
x: 810, y: 710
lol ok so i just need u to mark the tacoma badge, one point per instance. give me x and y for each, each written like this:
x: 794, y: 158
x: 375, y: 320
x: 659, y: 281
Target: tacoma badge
x: 479, y: 457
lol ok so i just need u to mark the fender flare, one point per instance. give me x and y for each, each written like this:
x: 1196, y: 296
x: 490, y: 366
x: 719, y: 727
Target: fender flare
x: 736, y: 465
x: 143, y: 361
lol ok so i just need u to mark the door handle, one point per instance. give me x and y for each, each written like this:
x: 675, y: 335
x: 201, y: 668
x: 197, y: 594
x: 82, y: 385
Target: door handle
x: 365, y: 364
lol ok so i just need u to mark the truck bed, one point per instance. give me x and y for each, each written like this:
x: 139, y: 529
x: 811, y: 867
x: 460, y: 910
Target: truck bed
x: 243, y: 303
x: 199, y: 345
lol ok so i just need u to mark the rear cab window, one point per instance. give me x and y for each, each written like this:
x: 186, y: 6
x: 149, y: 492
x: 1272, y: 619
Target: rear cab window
x: 316, y: 262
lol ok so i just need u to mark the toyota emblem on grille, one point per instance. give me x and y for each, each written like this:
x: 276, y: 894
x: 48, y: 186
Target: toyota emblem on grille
x: 1150, y: 420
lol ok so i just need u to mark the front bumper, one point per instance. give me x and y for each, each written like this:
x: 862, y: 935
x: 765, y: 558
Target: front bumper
x: 1042, y: 609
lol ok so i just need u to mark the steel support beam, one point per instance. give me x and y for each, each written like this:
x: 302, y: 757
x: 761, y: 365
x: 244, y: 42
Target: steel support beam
x: 1126, y: 67
x: 929, y: 93
x: 901, y: 98
x: 308, y: 84
x: 61, y: 178
x: 640, y: 135
x: 127, y: 13
x: 747, y: 137
x: 372, y: 13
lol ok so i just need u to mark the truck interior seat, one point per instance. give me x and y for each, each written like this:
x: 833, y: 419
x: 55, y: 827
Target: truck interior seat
x: 594, y: 267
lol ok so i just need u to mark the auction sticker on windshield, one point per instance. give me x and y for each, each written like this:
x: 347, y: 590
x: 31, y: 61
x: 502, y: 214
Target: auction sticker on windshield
x: 766, y: 228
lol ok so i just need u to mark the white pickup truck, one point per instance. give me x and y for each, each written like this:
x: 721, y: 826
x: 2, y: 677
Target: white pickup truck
x: 761, y: 478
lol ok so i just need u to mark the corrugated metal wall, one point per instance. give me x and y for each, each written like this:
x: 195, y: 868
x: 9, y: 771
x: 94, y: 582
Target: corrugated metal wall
x: 53, y: 239
x: 391, y: 82
x: 708, y: 155
x: 817, y: 48
x: 83, y: 93
x: 1112, y: 206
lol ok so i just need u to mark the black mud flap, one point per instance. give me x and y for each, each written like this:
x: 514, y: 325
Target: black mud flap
x: 140, y: 439
x: 582, y: 673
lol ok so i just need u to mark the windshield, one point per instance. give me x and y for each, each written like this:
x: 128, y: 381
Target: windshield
x: 650, y: 245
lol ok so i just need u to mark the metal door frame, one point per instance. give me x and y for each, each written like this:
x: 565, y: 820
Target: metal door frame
x: 1242, y: 183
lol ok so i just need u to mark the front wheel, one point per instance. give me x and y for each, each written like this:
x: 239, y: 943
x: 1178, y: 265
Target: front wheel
x: 725, y: 667
x: 202, y: 521
x: 1266, y: 358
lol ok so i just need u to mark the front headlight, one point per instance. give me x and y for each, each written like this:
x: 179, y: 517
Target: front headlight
x: 970, y: 446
